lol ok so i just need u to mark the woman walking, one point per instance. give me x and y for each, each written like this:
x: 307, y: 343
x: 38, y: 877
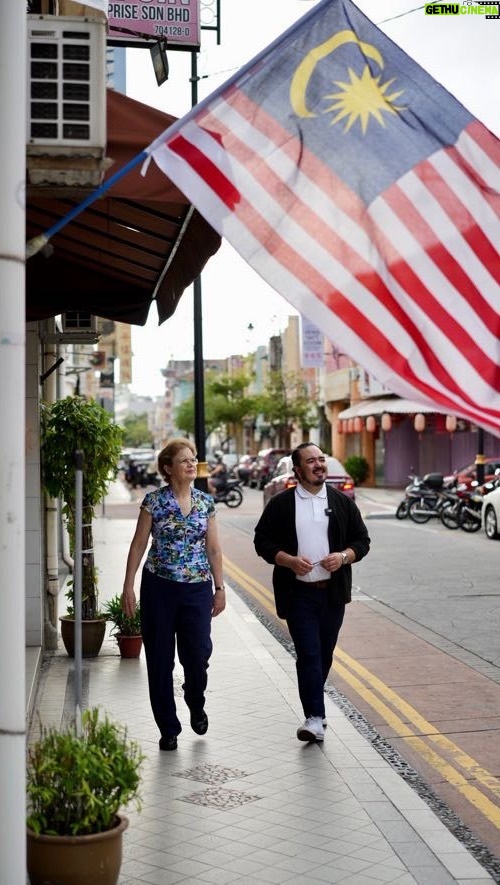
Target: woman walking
x: 177, y: 599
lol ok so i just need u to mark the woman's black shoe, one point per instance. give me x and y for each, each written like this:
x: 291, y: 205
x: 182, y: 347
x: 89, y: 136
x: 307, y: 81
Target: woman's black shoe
x: 199, y: 722
x: 169, y: 743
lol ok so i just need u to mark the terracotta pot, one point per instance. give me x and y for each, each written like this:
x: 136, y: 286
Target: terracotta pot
x: 76, y: 860
x: 93, y: 633
x: 130, y: 646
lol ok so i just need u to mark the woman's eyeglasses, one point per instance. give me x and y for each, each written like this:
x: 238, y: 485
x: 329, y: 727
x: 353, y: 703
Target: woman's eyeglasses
x: 188, y: 461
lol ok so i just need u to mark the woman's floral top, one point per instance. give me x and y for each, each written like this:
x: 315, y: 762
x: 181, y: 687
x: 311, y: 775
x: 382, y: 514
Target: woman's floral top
x: 178, y: 550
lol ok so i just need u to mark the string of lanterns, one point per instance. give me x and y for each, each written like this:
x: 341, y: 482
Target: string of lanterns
x: 358, y: 424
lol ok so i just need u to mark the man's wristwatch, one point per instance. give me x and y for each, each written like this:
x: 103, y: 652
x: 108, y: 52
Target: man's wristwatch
x: 220, y: 588
x: 344, y: 557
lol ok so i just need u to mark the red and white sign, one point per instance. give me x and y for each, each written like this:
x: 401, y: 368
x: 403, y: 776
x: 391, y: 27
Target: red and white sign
x: 136, y: 23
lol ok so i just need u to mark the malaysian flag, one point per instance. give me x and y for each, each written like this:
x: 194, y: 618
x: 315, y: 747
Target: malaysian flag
x: 365, y: 194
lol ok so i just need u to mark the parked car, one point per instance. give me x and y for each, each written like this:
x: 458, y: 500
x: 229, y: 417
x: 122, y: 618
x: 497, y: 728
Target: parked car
x: 264, y: 466
x: 490, y: 514
x: 468, y: 474
x: 284, y: 478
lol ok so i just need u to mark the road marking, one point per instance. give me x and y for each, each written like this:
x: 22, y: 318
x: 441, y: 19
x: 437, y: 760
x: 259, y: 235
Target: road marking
x: 347, y: 667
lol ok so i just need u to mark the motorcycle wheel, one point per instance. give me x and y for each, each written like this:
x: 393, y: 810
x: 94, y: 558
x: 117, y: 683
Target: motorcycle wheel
x: 420, y: 517
x: 233, y: 497
x: 449, y: 516
x: 402, y: 511
x: 470, y: 523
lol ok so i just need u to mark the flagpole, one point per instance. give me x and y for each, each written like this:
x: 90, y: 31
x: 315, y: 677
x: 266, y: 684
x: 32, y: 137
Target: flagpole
x: 199, y: 381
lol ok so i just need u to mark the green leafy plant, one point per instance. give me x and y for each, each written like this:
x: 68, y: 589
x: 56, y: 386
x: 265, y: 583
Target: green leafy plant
x: 68, y: 425
x: 123, y: 625
x: 76, y: 784
x: 357, y: 467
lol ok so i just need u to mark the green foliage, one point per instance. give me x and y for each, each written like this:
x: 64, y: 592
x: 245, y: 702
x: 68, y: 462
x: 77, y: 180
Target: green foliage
x: 68, y: 425
x: 123, y: 625
x: 184, y: 417
x: 225, y: 404
x: 77, y: 784
x: 288, y: 401
x: 136, y: 432
x: 357, y: 467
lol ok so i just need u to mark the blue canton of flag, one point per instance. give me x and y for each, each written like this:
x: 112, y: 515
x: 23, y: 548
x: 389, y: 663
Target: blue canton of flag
x: 365, y: 194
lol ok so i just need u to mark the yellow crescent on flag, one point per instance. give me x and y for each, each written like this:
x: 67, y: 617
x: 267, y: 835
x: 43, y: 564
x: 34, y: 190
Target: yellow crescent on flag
x: 305, y: 70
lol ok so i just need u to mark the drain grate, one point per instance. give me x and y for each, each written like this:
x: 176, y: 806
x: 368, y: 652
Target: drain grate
x: 211, y: 774
x: 219, y: 797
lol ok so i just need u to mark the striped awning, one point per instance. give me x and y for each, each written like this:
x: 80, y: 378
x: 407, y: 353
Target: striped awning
x: 392, y: 405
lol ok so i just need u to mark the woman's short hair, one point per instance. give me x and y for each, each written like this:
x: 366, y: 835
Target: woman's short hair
x: 172, y: 448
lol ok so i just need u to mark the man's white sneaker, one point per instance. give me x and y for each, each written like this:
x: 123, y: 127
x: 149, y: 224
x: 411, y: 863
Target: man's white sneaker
x: 311, y: 730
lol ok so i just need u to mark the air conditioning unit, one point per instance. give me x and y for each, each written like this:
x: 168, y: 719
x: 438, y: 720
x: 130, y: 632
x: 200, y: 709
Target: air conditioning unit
x: 66, y: 125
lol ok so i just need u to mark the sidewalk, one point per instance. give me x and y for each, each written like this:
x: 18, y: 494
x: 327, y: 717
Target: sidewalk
x: 249, y: 803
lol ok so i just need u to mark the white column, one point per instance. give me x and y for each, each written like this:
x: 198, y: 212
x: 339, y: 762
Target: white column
x: 12, y: 394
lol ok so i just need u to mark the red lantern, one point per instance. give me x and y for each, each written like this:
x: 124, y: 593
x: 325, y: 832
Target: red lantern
x: 419, y: 422
x: 371, y: 424
x: 358, y: 424
x: 340, y: 427
x: 451, y: 423
x: 350, y: 425
x: 386, y: 421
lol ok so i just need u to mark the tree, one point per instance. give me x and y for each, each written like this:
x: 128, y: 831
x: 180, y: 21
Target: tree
x: 226, y: 406
x: 68, y: 425
x: 136, y: 432
x: 287, y: 402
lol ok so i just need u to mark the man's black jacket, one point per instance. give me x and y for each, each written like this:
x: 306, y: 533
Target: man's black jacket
x: 276, y: 531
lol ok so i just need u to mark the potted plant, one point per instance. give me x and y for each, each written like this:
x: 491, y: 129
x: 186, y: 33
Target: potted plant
x: 126, y: 630
x: 76, y: 786
x: 68, y: 425
x: 357, y: 466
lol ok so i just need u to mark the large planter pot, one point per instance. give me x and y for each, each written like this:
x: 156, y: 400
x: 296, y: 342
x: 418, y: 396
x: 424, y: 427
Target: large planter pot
x: 93, y: 633
x: 130, y: 646
x: 76, y: 860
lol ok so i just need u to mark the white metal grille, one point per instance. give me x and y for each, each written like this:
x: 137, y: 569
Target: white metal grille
x: 66, y: 82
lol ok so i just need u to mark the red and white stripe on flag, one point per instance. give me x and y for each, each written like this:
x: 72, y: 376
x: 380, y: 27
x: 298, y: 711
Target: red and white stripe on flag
x: 408, y: 286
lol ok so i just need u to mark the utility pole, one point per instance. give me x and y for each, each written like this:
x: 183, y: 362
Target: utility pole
x: 12, y: 444
x: 480, y: 456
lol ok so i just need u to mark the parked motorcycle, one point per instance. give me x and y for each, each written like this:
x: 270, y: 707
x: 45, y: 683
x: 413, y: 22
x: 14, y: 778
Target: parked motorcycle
x: 429, y: 499
x: 455, y: 501
x: 470, y: 515
x: 412, y: 493
x: 229, y: 494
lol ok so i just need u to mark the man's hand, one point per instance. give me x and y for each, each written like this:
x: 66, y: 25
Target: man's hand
x: 300, y: 565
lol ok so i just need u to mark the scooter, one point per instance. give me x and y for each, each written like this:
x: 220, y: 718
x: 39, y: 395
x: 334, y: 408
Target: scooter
x: 412, y: 492
x: 229, y: 494
x: 469, y: 518
x: 432, y: 499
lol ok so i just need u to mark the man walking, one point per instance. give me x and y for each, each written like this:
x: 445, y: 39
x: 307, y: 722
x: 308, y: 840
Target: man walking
x: 312, y: 534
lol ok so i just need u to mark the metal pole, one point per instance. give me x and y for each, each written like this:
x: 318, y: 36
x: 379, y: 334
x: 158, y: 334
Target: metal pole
x: 12, y: 446
x: 480, y: 456
x: 199, y: 380
x: 77, y: 587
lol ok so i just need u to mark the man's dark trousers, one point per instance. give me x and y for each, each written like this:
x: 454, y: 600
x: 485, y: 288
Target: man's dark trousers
x: 314, y: 622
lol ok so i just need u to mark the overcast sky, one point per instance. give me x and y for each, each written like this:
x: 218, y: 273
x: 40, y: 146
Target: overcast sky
x: 460, y: 52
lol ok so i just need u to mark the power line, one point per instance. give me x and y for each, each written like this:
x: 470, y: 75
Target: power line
x: 402, y: 14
